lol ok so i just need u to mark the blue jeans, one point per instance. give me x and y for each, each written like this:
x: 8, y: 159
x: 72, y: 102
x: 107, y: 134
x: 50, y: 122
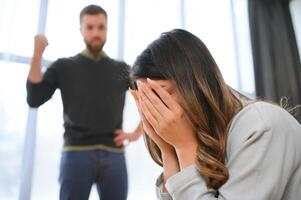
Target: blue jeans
x: 79, y: 170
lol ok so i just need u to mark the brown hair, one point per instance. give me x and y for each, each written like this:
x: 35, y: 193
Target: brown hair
x: 92, y: 10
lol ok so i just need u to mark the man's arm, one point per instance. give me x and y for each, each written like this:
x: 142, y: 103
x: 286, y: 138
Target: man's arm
x: 40, y: 87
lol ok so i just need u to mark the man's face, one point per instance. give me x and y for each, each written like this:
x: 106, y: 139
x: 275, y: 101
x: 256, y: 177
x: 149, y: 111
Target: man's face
x: 94, y: 31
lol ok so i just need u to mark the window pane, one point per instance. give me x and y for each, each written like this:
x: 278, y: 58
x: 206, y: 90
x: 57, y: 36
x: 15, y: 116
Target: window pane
x: 244, y: 52
x: 13, y: 114
x: 18, y: 25
x: 62, y: 29
x: 211, y: 22
x: 145, y: 21
x: 49, y: 144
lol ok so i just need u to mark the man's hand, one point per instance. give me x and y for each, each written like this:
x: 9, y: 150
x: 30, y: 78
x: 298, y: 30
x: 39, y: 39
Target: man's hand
x: 40, y: 44
x: 122, y: 138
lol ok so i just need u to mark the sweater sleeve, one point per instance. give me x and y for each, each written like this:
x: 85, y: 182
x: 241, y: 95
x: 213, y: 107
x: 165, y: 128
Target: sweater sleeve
x: 39, y: 93
x: 159, y: 190
x: 261, y: 161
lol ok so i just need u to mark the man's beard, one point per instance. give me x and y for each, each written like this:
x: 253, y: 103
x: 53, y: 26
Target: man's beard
x: 94, y: 49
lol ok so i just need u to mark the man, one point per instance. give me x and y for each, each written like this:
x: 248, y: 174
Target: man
x: 93, y: 90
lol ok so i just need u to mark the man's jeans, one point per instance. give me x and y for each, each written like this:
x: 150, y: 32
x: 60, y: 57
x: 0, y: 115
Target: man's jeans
x: 80, y: 169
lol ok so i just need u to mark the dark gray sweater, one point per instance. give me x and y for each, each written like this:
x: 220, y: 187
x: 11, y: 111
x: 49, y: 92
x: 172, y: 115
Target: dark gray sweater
x: 93, y: 95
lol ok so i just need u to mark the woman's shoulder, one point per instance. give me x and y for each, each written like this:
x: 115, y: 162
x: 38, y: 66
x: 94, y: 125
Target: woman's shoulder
x: 274, y: 115
x: 261, y: 118
x: 266, y: 114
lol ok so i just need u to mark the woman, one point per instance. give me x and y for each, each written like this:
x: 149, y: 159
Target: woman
x: 211, y: 141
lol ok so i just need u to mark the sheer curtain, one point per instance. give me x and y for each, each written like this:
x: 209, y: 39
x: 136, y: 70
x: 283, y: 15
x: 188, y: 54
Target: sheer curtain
x: 222, y: 25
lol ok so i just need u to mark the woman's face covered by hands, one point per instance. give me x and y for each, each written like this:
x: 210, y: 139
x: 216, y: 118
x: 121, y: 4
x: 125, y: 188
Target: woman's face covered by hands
x: 163, y: 117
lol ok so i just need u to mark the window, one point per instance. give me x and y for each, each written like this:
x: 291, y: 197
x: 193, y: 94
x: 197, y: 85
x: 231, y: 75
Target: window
x: 222, y: 25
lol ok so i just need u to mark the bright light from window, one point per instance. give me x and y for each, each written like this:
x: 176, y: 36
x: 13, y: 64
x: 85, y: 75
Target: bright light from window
x: 18, y: 25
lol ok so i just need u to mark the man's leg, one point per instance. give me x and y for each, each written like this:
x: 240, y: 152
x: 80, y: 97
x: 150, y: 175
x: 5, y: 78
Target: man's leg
x: 77, y: 174
x: 112, y: 182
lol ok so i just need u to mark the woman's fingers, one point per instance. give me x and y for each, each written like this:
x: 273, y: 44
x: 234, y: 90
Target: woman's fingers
x: 151, y: 108
x: 149, y: 130
x: 164, y: 95
x: 146, y: 112
x: 153, y: 98
x: 145, y: 115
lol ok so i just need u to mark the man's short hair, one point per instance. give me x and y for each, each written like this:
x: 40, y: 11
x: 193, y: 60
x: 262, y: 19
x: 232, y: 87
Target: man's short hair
x: 92, y: 10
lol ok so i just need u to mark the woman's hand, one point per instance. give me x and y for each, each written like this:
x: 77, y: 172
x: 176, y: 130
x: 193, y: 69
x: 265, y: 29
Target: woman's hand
x: 168, y: 119
x: 166, y: 116
x: 148, y: 129
x: 168, y: 154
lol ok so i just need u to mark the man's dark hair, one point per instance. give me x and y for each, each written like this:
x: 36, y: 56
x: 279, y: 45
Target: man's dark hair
x: 92, y: 10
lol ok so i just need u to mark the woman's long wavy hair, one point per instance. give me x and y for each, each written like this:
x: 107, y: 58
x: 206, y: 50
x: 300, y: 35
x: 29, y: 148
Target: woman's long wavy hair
x: 183, y: 58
